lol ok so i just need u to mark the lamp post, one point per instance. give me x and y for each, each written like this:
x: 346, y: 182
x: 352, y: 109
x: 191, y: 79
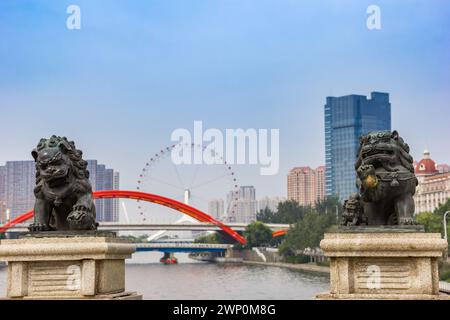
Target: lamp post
x: 445, y: 233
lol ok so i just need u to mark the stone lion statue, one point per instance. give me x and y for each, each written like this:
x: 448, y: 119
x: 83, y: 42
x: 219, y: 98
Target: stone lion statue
x: 386, y: 180
x: 63, y: 191
x: 353, y: 214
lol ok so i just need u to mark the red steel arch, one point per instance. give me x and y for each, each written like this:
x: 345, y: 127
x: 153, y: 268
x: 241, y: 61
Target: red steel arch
x: 136, y: 195
x: 279, y: 233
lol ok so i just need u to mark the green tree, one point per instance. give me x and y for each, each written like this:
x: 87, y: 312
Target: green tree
x: 266, y: 215
x: 306, y: 233
x: 213, y: 238
x: 289, y: 212
x: 440, y: 211
x: 257, y: 234
x: 430, y: 220
x: 329, y: 205
x: 443, y: 208
x: 276, y: 241
x: 434, y: 221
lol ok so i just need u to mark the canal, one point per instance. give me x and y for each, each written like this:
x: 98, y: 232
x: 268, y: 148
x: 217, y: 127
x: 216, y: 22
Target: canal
x: 203, y: 281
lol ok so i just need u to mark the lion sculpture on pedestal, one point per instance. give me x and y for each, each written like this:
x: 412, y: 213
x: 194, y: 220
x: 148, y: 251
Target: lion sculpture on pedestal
x: 386, y: 181
x: 63, y: 191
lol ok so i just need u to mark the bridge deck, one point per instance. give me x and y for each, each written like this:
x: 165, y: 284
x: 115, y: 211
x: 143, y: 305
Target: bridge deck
x: 200, y: 226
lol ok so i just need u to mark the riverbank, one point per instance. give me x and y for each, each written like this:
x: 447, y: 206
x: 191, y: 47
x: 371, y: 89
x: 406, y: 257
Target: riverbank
x: 301, y: 266
x: 271, y: 257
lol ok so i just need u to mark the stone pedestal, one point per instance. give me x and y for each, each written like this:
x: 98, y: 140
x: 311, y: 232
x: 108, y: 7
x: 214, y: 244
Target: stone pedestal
x: 67, y: 267
x: 383, y: 265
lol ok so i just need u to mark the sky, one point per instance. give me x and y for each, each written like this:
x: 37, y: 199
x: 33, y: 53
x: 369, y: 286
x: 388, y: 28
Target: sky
x: 138, y: 70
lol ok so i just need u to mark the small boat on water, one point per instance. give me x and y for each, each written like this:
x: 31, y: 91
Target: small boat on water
x: 169, y: 260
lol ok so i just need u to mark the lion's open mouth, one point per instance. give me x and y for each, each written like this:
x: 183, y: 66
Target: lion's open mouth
x: 374, y: 155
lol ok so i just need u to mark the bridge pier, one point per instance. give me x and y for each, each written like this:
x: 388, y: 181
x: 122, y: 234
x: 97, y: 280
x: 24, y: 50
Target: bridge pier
x: 380, y: 263
x: 229, y: 252
x: 169, y: 258
x: 64, y: 265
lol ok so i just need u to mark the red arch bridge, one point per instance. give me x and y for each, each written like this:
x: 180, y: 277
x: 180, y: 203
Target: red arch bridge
x: 206, y: 221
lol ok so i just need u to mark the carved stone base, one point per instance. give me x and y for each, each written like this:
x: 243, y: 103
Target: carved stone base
x: 74, y: 267
x: 383, y: 265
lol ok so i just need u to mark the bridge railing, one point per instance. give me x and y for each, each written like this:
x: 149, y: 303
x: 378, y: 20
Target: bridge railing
x: 183, y: 245
x: 444, y: 287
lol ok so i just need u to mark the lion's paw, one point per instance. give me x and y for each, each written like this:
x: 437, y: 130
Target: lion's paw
x: 80, y: 218
x: 38, y: 227
x: 407, y: 221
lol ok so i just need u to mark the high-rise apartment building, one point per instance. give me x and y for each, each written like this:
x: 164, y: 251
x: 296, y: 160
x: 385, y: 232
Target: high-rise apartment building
x: 19, y: 183
x: 306, y: 186
x: 2, y: 194
x: 102, y: 178
x: 346, y: 119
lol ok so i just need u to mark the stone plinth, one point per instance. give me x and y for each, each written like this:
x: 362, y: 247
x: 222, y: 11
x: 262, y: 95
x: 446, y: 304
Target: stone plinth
x: 383, y: 265
x: 67, y: 267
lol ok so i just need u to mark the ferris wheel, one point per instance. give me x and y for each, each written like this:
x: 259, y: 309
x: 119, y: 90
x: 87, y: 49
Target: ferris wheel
x: 193, y: 184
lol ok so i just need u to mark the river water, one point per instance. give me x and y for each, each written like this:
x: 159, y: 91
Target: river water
x: 204, y: 281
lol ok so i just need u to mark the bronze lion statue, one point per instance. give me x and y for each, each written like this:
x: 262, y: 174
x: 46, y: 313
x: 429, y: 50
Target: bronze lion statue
x: 386, y: 180
x: 63, y: 191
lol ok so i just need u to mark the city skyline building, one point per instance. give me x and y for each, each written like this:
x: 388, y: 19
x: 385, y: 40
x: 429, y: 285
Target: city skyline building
x: 2, y: 194
x: 115, y: 202
x: 102, y: 178
x: 19, y: 183
x: 443, y: 168
x: 434, y: 186
x: 216, y: 208
x: 244, y: 207
x: 305, y: 185
x: 346, y: 119
x: 270, y: 203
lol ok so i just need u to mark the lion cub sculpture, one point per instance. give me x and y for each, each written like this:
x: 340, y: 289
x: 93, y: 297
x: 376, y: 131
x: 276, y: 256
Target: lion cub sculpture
x: 63, y: 191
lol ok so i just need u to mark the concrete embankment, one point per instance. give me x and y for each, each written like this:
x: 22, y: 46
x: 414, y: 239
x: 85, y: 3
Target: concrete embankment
x: 302, y: 266
x: 271, y: 257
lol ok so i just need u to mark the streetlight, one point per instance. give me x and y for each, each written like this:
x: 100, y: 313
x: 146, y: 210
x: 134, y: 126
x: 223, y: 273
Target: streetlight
x: 445, y: 224
x: 445, y: 234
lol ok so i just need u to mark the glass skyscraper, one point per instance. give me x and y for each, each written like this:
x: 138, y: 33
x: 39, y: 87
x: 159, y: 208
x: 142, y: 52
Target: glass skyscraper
x: 346, y: 119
